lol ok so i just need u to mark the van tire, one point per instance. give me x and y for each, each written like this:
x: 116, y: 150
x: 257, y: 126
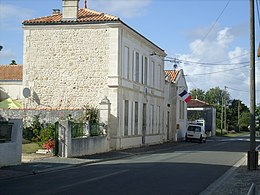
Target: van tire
x: 201, y: 139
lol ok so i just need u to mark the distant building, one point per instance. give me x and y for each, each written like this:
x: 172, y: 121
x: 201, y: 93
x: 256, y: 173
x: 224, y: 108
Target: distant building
x: 198, y: 109
x: 11, y: 85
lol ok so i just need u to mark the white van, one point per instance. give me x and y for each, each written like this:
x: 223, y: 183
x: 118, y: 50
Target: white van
x: 196, y: 132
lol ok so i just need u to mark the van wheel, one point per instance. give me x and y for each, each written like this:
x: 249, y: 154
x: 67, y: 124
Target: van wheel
x: 186, y: 138
x: 201, y: 139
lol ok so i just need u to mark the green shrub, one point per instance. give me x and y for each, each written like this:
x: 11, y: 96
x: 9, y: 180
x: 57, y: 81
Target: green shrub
x: 47, y: 133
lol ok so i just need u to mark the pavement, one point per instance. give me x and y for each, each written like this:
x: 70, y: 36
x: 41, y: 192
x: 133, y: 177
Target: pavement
x: 237, y: 180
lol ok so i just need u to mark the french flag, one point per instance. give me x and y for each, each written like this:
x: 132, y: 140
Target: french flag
x: 185, y: 96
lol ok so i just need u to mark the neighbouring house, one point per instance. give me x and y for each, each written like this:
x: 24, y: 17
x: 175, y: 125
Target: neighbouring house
x: 198, y: 109
x: 176, y: 109
x: 79, y: 56
x: 11, y: 82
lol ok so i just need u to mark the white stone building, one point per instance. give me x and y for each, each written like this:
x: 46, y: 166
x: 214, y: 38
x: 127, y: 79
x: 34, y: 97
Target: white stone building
x: 78, y: 57
x: 11, y: 82
x: 176, y: 109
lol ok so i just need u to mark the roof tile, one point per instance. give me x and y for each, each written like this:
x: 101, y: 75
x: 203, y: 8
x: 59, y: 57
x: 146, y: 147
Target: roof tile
x: 172, y: 74
x: 11, y: 72
x: 197, y: 103
x: 84, y: 16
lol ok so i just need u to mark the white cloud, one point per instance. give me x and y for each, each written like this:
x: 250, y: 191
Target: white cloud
x: 218, y: 50
x: 224, y: 37
x: 129, y: 9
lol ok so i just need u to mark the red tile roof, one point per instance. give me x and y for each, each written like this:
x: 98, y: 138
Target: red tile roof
x: 197, y: 103
x: 84, y: 16
x: 172, y: 74
x: 11, y: 72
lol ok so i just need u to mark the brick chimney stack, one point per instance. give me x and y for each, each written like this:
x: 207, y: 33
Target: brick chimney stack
x: 70, y: 9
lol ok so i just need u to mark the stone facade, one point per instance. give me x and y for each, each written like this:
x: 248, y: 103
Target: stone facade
x: 66, y: 66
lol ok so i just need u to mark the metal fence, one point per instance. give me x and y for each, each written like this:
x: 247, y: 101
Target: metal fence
x: 84, y: 129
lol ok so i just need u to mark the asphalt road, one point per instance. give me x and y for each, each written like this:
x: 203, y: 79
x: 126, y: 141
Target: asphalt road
x: 187, y: 169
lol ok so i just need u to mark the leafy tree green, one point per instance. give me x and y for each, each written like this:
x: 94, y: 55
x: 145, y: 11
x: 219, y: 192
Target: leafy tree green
x: 257, y: 113
x: 13, y: 62
x: 47, y: 133
x: 235, y: 109
x: 244, y: 121
x: 215, y: 96
x: 198, y: 94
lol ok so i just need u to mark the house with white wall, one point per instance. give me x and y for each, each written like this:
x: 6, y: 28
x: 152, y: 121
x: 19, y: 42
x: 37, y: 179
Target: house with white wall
x: 176, y: 108
x: 11, y: 82
x: 79, y: 56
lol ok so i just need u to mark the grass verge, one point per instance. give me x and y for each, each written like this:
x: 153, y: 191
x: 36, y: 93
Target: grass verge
x: 30, y: 148
x: 233, y: 134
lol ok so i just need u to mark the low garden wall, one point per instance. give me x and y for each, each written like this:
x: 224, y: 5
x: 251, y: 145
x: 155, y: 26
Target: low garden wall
x: 79, y: 146
x: 11, y: 149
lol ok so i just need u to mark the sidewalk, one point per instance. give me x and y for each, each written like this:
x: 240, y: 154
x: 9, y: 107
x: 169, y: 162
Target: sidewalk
x: 235, y: 181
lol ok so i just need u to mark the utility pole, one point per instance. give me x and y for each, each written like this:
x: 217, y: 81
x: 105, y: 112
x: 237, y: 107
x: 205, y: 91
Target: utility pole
x: 225, y: 109
x: 222, y: 104
x: 238, y: 115
x: 252, y: 155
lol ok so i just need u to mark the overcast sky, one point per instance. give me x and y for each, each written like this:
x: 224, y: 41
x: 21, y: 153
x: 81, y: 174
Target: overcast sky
x: 209, y: 38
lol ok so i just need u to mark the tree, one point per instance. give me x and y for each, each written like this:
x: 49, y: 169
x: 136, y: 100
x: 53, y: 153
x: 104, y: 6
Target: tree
x: 13, y: 62
x: 257, y: 114
x: 198, y: 94
x: 234, y: 113
x: 214, y: 96
x: 244, y: 121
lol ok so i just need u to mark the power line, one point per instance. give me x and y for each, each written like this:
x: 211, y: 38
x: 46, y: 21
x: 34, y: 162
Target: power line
x: 211, y: 28
x: 207, y: 73
x: 214, y: 64
x: 240, y: 90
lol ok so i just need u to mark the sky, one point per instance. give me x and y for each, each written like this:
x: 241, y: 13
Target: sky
x: 210, y: 39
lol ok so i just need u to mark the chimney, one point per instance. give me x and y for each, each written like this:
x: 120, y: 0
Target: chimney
x: 70, y: 9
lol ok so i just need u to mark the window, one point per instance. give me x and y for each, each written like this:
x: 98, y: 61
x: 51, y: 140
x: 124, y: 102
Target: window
x: 158, y: 125
x: 144, y: 70
x: 159, y: 76
x: 152, y: 118
x: 152, y: 76
x: 126, y: 117
x: 144, y: 119
x: 126, y: 65
x: 181, y: 110
x: 137, y: 67
x: 136, y: 119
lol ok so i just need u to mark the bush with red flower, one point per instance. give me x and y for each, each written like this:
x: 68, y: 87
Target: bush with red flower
x: 49, y: 145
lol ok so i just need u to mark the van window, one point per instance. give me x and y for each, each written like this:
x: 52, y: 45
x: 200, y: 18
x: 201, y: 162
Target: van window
x: 194, y: 128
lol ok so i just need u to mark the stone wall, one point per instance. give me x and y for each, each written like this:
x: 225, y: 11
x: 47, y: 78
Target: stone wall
x: 66, y: 66
x: 47, y: 115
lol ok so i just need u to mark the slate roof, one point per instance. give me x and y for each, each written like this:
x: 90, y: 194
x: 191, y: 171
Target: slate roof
x: 195, y: 103
x: 85, y: 15
x: 11, y: 72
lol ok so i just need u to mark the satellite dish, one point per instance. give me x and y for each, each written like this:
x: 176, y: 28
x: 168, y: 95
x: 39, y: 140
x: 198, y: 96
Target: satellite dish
x: 26, y: 92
